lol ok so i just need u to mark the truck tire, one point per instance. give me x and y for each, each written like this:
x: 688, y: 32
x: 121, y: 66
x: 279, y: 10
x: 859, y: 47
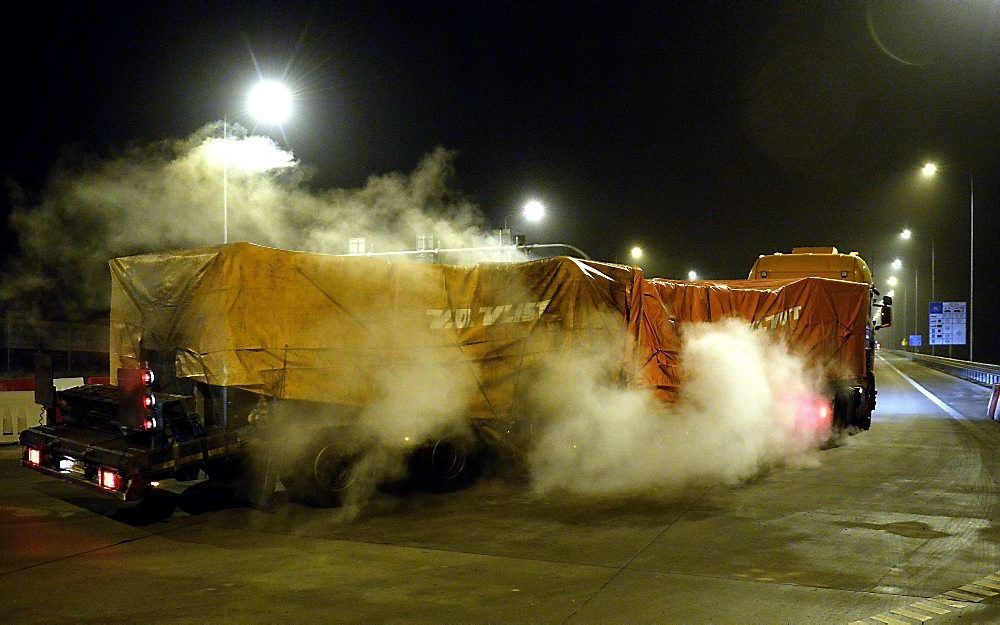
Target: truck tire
x: 444, y: 465
x: 322, y: 476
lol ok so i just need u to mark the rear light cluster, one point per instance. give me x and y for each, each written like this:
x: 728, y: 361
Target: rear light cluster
x: 137, y: 404
x: 108, y: 479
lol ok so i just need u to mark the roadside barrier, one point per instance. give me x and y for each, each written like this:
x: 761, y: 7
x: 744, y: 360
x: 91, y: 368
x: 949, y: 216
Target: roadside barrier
x: 18, y: 410
x: 991, y: 411
x: 980, y: 373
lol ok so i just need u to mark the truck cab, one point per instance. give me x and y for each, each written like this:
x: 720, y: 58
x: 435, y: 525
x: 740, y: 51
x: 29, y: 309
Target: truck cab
x: 854, y: 395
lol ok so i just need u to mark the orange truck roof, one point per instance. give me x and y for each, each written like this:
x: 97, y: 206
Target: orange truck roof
x: 818, y: 262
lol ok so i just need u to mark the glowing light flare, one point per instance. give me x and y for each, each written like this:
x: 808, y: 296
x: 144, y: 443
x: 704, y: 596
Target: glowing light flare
x: 891, y: 293
x: 897, y: 264
x: 928, y: 170
x: 892, y: 281
x: 533, y: 210
x: 813, y: 414
x: 636, y: 253
x: 692, y: 275
x: 270, y: 102
x: 905, y: 234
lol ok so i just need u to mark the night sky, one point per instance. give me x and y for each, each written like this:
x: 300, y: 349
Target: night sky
x: 706, y: 132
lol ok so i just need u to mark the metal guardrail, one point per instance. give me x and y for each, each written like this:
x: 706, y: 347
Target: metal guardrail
x: 978, y: 372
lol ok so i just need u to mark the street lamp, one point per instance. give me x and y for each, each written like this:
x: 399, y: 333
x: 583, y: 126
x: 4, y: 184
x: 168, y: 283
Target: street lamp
x: 906, y: 235
x: 692, y: 275
x: 269, y: 102
x: 531, y: 211
x: 929, y: 170
x: 636, y: 253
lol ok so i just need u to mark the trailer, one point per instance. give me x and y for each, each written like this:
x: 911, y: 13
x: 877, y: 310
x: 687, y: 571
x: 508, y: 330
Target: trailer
x: 254, y: 365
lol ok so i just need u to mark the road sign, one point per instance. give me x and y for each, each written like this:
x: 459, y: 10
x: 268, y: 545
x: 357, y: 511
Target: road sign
x: 947, y: 323
x: 916, y: 340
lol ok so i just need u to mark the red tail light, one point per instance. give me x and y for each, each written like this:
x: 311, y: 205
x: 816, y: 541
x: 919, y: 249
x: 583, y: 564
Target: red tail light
x: 34, y: 456
x: 148, y: 401
x: 108, y: 479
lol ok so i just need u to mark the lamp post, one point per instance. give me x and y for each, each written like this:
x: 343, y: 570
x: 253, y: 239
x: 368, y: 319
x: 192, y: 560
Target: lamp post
x: 929, y: 170
x: 906, y: 235
x: 269, y: 102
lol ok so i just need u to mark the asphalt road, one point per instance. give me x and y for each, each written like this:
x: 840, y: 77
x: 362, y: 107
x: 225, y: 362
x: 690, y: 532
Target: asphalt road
x: 880, y: 530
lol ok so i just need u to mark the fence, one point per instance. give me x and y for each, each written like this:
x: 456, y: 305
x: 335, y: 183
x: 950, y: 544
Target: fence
x: 980, y: 373
x: 76, y: 349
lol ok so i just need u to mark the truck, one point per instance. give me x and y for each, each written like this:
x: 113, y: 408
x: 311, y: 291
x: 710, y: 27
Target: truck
x: 254, y: 366
x: 854, y: 378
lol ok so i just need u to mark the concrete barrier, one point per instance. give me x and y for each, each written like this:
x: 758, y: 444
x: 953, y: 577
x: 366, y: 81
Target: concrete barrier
x: 18, y: 409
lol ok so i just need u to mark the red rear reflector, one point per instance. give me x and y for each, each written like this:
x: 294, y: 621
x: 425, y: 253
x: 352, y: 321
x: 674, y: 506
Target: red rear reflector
x: 34, y: 456
x: 108, y: 479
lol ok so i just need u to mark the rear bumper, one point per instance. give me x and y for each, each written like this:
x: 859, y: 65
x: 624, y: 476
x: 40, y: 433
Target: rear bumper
x: 134, y: 490
x: 78, y: 455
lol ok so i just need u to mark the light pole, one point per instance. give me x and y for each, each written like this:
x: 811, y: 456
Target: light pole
x: 929, y: 170
x: 906, y: 235
x: 269, y: 102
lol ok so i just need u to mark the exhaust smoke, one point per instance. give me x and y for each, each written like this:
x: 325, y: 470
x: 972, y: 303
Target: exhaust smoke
x: 746, y: 404
x: 169, y: 195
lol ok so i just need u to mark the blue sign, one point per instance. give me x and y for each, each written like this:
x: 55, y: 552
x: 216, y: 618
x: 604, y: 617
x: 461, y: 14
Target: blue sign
x: 946, y: 322
x: 916, y: 340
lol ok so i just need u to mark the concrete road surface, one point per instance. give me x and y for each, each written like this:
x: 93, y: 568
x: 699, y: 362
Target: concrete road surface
x: 896, y: 525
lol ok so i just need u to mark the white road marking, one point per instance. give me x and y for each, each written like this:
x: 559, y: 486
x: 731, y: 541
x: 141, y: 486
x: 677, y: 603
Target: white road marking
x: 978, y: 591
x: 911, y: 614
x: 929, y: 395
x: 929, y: 607
x: 888, y: 620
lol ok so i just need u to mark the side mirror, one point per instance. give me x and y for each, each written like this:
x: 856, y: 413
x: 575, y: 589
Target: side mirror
x: 886, y: 317
x: 887, y: 300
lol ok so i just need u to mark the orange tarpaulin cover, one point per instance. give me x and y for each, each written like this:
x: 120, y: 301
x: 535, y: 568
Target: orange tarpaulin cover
x: 820, y: 319
x: 331, y: 328
x: 315, y: 327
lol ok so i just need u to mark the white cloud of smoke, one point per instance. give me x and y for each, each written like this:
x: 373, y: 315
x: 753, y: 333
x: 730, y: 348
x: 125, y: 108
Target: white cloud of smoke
x: 170, y: 195
x: 746, y: 404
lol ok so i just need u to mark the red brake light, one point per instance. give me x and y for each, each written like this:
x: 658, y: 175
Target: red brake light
x: 108, y: 479
x: 34, y: 456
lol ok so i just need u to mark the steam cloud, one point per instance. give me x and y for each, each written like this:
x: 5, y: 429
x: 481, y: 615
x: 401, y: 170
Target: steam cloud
x: 746, y: 405
x: 169, y: 195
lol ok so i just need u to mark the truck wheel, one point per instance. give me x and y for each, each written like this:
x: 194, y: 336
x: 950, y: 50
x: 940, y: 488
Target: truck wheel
x: 444, y: 465
x: 322, y: 476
